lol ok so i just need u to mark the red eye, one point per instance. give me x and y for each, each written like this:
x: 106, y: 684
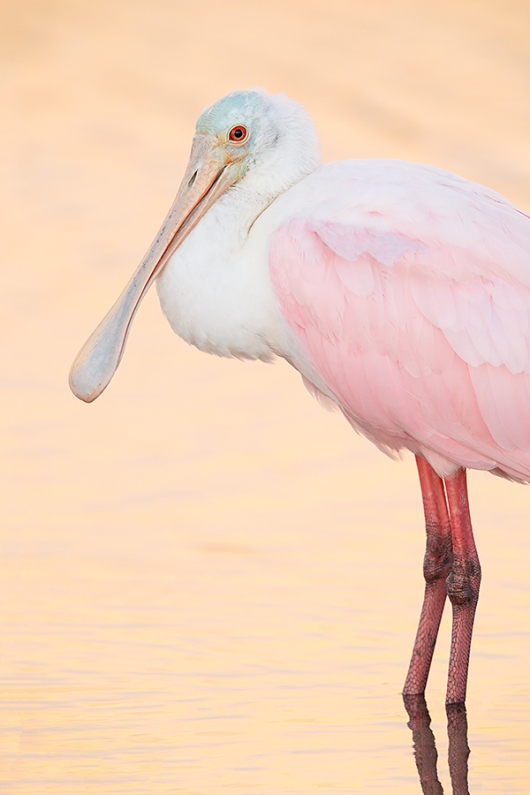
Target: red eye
x: 238, y: 134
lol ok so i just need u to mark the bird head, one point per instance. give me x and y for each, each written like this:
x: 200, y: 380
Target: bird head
x: 264, y: 141
x: 249, y: 139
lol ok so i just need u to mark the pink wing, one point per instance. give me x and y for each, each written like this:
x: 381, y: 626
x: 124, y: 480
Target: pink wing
x: 409, y: 289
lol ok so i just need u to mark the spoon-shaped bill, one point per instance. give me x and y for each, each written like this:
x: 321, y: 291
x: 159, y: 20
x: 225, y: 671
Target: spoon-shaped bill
x: 206, y: 178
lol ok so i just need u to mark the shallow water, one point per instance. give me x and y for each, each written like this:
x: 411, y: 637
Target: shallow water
x: 209, y: 583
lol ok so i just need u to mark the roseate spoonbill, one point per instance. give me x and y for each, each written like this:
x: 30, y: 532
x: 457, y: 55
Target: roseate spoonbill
x: 400, y: 292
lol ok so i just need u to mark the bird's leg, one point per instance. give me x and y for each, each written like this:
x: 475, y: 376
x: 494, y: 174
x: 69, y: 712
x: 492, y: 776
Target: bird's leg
x: 463, y: 584
x: 436, y: 567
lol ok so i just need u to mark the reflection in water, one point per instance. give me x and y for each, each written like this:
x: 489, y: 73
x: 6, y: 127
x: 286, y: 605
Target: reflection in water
x: 425, y: 747
x: 458, y: 747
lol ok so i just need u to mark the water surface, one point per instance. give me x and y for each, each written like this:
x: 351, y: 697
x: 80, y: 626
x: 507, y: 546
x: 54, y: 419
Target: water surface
x: 209, y: 584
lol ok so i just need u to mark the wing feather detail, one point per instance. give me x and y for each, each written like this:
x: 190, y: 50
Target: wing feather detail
x: 425, y: 343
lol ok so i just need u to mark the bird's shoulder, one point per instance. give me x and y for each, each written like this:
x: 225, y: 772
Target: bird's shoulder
x: 398, y: 204
x: 377, y: 252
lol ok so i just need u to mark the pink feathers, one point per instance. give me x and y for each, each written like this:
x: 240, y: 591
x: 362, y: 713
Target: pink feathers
x: 408, y: 288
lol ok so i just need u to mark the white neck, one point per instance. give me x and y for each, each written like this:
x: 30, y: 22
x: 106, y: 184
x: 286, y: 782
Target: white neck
x: 216, y: 290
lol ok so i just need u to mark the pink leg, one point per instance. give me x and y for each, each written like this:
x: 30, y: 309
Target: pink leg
x: 463, y: 584
x: 436, y: 567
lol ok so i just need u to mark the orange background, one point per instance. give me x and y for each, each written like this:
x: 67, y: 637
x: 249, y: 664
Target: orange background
x: 208, y: 583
